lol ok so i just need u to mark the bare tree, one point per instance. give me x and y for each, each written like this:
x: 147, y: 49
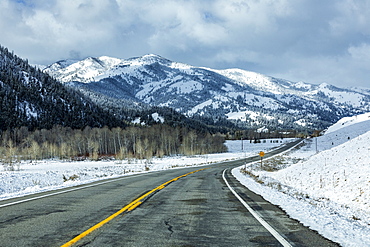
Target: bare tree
x: 10, y: 158
x: 35, y: 151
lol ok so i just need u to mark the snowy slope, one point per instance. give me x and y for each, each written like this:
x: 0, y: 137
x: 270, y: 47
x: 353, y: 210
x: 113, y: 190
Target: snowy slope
x: 344, y: 130
x: 340, y: 174
x: 348, y: 121
x: 329, y: 190
x: 255, y: 80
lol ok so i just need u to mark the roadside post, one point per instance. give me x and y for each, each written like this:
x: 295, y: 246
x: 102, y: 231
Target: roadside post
x: 261, y: 155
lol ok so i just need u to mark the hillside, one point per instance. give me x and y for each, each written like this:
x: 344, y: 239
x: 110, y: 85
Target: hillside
x: 348, y: 122
x: 247, y: 99
x: 329, y: 190
x: 32, y: 98
x: 340, y: 171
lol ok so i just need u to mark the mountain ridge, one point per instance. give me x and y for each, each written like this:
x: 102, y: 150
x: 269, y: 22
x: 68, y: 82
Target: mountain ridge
x: 246, y: 98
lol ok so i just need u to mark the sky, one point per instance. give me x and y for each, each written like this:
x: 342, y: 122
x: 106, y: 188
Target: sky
x: 313, y: 41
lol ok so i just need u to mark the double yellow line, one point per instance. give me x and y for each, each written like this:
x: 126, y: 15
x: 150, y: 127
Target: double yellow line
x: 129, y: 207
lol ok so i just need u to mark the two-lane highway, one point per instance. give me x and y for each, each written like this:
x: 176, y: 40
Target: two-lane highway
x: 172, y: 210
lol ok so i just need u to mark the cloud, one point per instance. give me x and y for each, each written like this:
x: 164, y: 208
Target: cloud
x: 53, y: 29
x: 308, y: 40
x: 352, y: 18
x: 360, y: 54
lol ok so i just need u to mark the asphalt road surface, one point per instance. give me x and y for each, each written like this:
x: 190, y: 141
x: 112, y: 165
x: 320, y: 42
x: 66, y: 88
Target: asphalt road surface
x: 154, y: 209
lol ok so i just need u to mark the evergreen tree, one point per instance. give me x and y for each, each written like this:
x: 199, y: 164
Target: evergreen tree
x: 28, y: 97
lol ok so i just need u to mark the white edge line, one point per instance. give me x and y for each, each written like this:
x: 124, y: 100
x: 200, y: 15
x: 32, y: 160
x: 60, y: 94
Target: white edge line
x: 256, y: 215
x: 68, y: 190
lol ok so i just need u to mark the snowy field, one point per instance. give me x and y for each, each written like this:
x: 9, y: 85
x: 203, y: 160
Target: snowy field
x: 53, y: 174
x: 326, y: 186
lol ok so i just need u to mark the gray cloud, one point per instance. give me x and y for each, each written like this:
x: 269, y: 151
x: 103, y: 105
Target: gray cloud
x: 309, y: 40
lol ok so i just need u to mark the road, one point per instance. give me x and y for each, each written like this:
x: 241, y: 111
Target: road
x: 195, y: 210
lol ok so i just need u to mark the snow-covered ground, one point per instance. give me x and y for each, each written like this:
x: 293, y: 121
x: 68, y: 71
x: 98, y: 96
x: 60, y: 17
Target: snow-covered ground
x: 54, y: 174
x: 325, y: 184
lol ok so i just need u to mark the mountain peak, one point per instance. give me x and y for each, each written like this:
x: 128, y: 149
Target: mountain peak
x: 152, y: 56
x: 150, y: 59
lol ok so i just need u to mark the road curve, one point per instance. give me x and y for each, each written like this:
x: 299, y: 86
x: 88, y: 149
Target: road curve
x: 195, y: 210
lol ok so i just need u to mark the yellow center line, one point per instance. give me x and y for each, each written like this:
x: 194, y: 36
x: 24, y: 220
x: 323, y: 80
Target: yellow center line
x: 129, y: 207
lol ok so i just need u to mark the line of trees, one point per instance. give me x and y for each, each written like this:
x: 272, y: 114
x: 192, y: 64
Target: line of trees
x: 95, y: 143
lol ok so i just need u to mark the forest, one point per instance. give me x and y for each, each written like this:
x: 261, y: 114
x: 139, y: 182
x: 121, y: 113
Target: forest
x: 142, y: 142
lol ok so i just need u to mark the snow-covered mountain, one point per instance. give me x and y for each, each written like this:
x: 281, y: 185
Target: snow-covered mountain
x: 247, y: 98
